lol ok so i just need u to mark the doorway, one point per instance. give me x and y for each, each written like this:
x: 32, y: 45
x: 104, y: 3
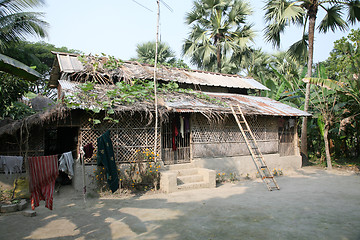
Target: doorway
x: 60, y: 140
x: 176, y: 139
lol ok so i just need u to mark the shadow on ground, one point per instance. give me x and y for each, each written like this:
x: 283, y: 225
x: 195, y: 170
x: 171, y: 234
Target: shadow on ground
x: 312, y: 204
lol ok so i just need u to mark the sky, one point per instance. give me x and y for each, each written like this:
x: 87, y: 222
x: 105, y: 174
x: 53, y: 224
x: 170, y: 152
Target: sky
x: 115, y: 27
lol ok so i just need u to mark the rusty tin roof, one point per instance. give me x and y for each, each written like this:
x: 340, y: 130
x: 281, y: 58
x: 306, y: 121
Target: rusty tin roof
x: 250, y: 105
x: 220, y: 103
x: 69, y: 63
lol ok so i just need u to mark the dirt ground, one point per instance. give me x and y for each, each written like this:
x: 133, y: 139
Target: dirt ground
x: 312, y: 204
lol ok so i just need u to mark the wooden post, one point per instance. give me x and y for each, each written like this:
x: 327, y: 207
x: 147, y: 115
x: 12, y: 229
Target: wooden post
x: 155, y: 82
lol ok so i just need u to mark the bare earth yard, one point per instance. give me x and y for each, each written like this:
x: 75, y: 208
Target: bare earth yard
x: 312, y: 204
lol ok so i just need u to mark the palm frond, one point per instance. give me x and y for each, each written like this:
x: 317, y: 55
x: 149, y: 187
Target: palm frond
x: 333, y: 20
x: 273, y: 32
x: 279, y: 14
x: 326, y: 83
x: 353, y: 11
x: 299, y: 50
x: 15, y: 6
x: 17, y: 26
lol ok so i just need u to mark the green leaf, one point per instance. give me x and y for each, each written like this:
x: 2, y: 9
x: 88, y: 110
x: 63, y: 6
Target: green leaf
x: 96, y: 110
x: 96, y: 121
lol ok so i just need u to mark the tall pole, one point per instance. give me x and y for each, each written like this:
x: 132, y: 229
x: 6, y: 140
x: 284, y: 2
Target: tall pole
x: 155, y: 81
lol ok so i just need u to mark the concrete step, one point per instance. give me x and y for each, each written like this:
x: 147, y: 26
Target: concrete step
x: 189, y: 179
x: 185, y: 178
x: 187, y: 172
x: 178, y: 166
x: 189, y: 186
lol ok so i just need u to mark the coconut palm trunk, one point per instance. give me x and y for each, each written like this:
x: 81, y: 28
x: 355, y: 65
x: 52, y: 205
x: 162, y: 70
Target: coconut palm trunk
x: 312, y: 19
x: 218, y: 53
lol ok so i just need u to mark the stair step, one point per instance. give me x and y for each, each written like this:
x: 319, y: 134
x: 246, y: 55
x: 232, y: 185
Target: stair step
x: 187, y: 172
x: 179, y: 166
x: 189, y: 179
x: 189, y: 186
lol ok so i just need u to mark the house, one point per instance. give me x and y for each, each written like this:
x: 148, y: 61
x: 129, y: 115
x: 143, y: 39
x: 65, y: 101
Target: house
x: 207, y: 134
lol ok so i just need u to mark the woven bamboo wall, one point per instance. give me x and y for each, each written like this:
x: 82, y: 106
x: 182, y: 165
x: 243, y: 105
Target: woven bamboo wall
x: 287, y: 130
x: 225, y: 139
x: 129, y: 135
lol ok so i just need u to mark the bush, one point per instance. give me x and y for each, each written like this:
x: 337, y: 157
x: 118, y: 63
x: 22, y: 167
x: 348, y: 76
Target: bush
x: 142, y: 174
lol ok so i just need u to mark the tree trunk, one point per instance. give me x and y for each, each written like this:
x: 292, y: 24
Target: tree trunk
x: 218, y: 57
x: 312, y: 18
x: 327, y: 149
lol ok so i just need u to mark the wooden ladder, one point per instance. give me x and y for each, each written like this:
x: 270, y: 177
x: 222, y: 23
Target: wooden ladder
x: 254, y: 150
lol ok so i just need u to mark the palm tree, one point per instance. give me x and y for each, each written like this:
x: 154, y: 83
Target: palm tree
x: 146, y: 53
x: 219, y: 32
x: 257, y: 64
x: 283, y: 13
x: 15, y: 24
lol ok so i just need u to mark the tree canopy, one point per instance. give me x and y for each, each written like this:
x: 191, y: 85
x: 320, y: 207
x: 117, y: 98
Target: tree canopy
x: 280, y: 14
x: 219, y: 33
x: 166, y: 56
x: 36, y: 54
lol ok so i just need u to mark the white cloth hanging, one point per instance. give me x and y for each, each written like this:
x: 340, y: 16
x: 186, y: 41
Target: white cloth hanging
x: 182, y: 126
x: 11, y: 164
x: 66, y: 162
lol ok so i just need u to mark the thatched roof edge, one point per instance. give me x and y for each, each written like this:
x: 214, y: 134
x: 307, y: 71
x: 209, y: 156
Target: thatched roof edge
x: 58, y: 112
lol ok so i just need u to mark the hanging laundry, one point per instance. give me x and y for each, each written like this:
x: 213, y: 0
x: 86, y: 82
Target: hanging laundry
x: 281, y: 122
x: 187, y: 125
x: 291, y: 122
x: 11, y: 164
x: 105, y: 156
x: 66, y: 163
x: 182, y: 126
x: 177, y: 122
x: 89, y: 150
x: 43, y: 172
x: 175, y: 133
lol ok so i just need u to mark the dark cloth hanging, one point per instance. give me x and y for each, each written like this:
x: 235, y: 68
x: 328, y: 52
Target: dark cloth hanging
x: 89, y: 150
x: 177, y: 121
x: 187, y: 124
x: 105, y: 157
x: 175, y: 133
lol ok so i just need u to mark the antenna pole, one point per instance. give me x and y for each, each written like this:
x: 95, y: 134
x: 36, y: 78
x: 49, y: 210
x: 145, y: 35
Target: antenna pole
x: 155, y: 81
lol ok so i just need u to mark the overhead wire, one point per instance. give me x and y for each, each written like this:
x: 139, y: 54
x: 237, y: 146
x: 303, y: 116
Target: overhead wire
x: 142, y: 6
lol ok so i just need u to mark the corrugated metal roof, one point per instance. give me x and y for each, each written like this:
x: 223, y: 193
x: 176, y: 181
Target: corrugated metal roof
x: 250, y: 105
x: 69, y: 63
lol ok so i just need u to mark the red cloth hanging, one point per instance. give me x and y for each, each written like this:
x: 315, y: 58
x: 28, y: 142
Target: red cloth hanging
x: 175, y: 132
x: 43, y: 173
x: 89, y: 150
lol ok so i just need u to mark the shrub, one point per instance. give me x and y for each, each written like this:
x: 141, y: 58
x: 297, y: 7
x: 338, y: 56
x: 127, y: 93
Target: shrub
x: 142, y: 174
x: 220, y: 177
